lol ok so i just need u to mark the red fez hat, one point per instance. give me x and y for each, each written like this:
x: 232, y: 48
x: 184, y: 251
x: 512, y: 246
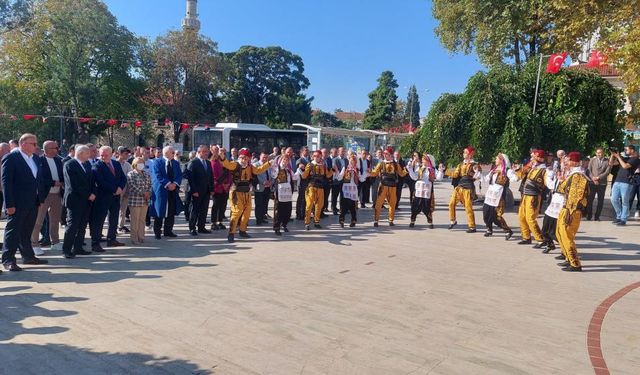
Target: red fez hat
x: 244, y: 152
x: 540, y: 154
x: 574, y: 156
x: 317, y: 153
x: 470, y: 150
x: 389, y: 150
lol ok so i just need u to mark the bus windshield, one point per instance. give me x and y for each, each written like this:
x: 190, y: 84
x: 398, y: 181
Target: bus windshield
x: 265, y: 141
x: 207, y: 137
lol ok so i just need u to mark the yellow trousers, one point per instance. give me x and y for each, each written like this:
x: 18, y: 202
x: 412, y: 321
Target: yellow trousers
x: 240, y: 211
x: 528, y: 215
x: 314, y: 196
x: 387, y: 193
x: 464, y: 196
x: 566, y: 234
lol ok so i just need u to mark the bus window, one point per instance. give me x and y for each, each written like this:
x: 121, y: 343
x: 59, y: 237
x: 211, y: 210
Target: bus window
x: 206, y: 137
x: 264, y: 141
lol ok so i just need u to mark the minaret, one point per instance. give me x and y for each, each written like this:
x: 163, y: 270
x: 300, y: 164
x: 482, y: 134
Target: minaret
x: 191, y: 22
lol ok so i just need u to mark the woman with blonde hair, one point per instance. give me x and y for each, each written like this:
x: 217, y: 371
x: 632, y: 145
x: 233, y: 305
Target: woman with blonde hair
x: 139, y: 193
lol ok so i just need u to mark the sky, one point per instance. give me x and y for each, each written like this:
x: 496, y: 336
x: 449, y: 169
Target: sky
x: 344, y: 44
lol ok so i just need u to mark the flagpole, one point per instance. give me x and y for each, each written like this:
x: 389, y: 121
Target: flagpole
x: 535, y: 98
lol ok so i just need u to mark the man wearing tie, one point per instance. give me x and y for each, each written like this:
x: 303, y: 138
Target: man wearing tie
x: 336, y: 187
x: 110, y: 183
x: 166, y: 178
x: 328, y: 164
x: 599, y: 170
x: 52, y: 181
x: 79, y: 194
x: 200, y: 188
x: 302, y: 162
x: 22, y: 199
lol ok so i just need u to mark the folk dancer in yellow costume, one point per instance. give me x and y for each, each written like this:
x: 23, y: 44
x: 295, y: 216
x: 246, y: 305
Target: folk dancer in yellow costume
x: 240, y: 193
x: 317, y: 173
x: 463, y: 178
x: 535, y: 177
x: 388, y: 170
x: 423, y: 201
x: 575, y: 189
x: 349, y: 176
x: 284, y: 180
x: 494, y: 198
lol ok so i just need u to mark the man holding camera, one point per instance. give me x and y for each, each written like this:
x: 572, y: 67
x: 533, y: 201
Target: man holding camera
x: 622, y: 184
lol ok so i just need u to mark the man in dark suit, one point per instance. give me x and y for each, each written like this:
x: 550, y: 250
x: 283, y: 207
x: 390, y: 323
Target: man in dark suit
x: 401, y: 180
x: 200, y: 189
x: 166, y: 178
x: 339, y: 162
x: 110, y: 182
x: 78, y: 198
x: 302, y: 161
x: 364, y: 187
x: 22, y: 199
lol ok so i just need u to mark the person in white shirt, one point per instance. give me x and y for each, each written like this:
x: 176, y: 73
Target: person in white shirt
x: 52, y: 179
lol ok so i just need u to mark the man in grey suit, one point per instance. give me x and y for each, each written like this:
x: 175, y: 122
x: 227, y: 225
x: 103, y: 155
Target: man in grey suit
x: 599, y: 170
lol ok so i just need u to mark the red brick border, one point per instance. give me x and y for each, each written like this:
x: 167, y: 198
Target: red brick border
x: 595, y: 327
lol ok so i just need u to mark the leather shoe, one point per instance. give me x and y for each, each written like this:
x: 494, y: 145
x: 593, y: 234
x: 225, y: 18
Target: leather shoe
x: 114, y: 243
x: 342, y: 225
x: 572, y: 269
x: 278, y: 233
x: 560, y: 257
x: 453, y: 224
x: 507, y: 237
x: 97, y: 248
x: 471, y: 230
x: 391, y: 224
x: 221, y: 226
x: 352, y: 225
x: 230, y: 238
x: 82, y: 252
x: 431, y: 226
x: 286, y: 230
x: 411, y: 225
x: 170, y: 234
x: 193, y: 233
x: 564, y: 264
x: 13, y: 267
x: 204, y: 231
x: 307, y: 227
x: 488, y: 234
x: 69, y: 255
x: 317, y: 226
x: 375, y: 224
x: 524, y: 242
x: 244, y: 234
x: 35, y: 261
x: 539, y: 245
x: 158, y: 236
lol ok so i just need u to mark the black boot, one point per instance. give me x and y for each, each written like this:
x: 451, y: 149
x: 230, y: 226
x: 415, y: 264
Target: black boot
x: 453, y: 224
x: 525, y: 242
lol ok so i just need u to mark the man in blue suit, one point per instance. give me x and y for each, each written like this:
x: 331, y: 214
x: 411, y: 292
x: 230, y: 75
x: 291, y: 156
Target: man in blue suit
x: 110, y: 182
x: 166, y: 178
x: 22, y: 199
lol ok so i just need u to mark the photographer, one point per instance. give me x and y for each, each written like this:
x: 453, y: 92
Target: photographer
x: 622, y: 183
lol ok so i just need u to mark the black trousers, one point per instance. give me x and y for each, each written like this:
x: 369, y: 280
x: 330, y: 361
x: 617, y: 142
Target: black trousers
x: 347, y: 205
x: 198, y: 211
x: 187, y: 205
x: 490, y: 216
x: 281, y: 214
x: 77, y: 220
x: 101, y: 207
x: 412, y: 188
x: 599, y: 190
x: 549, y: 228
x: 364, y: 191
x: 300, y: 202
x: 219, y: 207
x: 262, y: 203
x: 421, y: 205
x: 336, y: 191
x: 167, y: 222
x: 327, y: 194
x: 17, y: 235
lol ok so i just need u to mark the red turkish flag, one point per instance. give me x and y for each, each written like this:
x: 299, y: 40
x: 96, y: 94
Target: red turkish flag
x: 138, y: 124
x: 596, y: 60
x: 555, y: 62
x: 112, y: 122
x: 84, y: 120
x: 29, y: 117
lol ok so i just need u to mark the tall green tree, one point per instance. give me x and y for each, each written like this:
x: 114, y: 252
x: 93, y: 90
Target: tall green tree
x: 14, y: 13
x: 182, y: 70
x: 325, y: 119
x: 412, y: 113
x: 266, y: 85
x: 71, y: 57
x: 382, y: 103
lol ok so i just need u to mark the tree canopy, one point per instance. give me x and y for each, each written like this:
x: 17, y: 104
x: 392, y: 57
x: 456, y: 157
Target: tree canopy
x: 382, y: 103
x: 578, y: 111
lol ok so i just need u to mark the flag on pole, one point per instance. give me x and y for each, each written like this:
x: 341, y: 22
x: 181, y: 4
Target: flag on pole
x: 596, y: 60
x: 555, y: 62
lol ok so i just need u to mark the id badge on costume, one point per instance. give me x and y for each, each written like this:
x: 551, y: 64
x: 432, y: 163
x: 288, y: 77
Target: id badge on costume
x: 493, y: 195
x: 350, y: 191
x: 423, y: 189
x: 284, y: 193
x: 557, y: 202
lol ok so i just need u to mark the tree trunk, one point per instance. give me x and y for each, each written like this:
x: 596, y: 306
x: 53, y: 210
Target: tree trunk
x: 516, y: 51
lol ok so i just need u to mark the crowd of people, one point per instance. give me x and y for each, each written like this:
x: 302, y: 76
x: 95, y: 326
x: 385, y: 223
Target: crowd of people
x: 91, y: 186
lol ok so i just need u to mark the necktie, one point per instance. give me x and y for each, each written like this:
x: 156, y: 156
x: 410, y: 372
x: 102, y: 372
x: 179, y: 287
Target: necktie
x: 204, y: 163
x: 170, y: 170
x: 113, y: 171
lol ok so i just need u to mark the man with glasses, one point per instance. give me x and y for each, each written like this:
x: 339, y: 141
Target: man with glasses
x: 52, y: 184
x: 22, y: 198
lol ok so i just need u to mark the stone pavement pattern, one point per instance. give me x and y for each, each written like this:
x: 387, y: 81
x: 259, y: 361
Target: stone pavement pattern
x: 330, y: 301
